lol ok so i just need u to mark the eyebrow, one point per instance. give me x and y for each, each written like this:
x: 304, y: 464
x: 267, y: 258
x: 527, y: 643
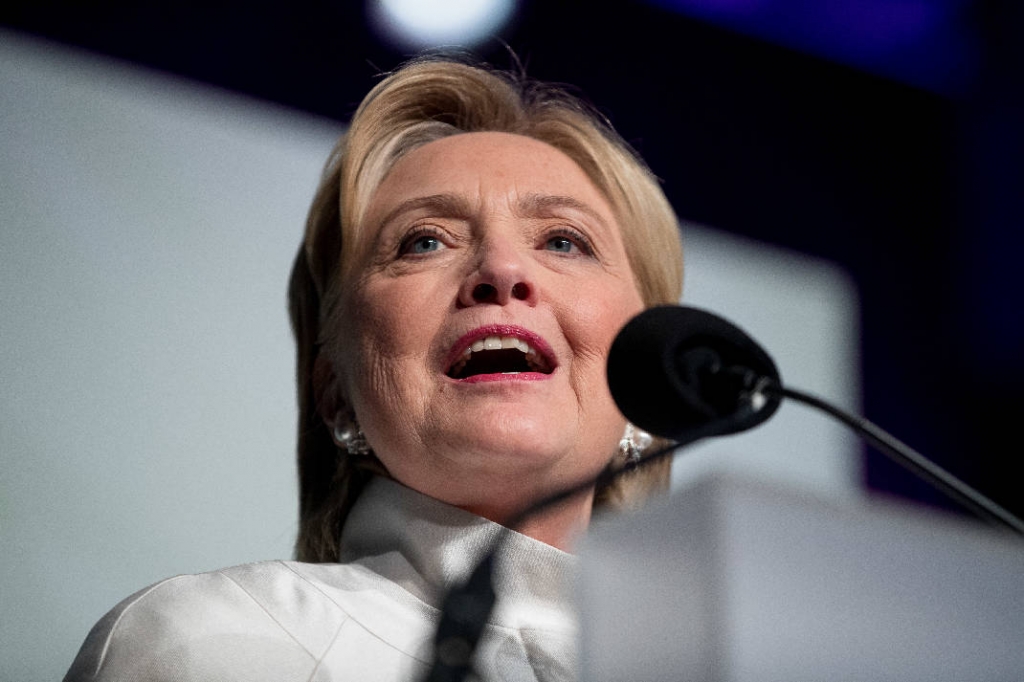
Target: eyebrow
x: 530, y: 205
x: 548, y: 204
x: 448, y: 205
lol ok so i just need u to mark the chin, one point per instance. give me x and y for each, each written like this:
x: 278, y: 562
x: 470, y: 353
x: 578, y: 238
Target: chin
x: 513, y: 431
x: 515, y: 447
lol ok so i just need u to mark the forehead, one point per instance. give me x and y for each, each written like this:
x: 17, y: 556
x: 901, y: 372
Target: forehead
x: 477, y: 164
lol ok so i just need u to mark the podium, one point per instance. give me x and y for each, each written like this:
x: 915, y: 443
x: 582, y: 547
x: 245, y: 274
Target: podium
x: 734, y: 580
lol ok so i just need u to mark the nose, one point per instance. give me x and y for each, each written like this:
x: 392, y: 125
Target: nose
x: 501, y: 275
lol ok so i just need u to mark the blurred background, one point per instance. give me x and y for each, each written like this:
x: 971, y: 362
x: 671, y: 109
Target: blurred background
x: 849, y: 176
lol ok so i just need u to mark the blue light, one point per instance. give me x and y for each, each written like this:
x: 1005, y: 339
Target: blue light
x: 924, y: 43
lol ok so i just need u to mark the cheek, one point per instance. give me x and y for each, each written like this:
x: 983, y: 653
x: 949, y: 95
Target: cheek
x: 357, y: 347
x: 596, y: 322
x: 384, y: 341
x: 601, y: 319
x: 604, y: 318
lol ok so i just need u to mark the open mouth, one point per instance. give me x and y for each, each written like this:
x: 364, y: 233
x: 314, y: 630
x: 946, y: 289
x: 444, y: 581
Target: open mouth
x: 498, y: 355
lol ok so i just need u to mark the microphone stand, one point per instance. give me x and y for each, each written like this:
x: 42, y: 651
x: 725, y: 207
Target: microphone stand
x: 466, y: 608
x: 901, y: 453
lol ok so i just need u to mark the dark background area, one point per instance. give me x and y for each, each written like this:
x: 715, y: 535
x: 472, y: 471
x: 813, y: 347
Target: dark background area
x: 914, y: 189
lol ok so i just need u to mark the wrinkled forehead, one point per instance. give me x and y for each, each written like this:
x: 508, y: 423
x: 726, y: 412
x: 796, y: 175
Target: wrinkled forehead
x: 460, y: 174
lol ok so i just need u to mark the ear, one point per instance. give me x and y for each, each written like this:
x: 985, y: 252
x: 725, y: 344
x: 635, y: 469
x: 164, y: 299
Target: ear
x: 327, y: 391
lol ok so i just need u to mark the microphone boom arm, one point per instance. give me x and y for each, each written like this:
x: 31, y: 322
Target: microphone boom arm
x: 901, y: 453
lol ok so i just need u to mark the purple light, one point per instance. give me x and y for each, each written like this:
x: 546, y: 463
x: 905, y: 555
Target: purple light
x: 921, y: 42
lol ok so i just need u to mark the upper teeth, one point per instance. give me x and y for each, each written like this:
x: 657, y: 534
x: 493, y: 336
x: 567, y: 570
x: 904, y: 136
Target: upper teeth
x: 533, y: 359
x: 497, y: 343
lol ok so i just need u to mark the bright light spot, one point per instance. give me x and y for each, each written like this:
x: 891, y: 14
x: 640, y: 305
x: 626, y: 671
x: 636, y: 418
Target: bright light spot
x: 420, y: 24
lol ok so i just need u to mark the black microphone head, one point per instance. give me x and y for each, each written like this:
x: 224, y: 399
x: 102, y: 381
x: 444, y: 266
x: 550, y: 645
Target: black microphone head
x: 684, y: 373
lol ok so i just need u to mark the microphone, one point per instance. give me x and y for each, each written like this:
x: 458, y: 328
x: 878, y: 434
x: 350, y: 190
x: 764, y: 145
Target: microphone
x: 680, y: 373
x: 684, y: 373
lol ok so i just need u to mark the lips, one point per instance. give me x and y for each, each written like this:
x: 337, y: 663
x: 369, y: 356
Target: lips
x: 500, y: 351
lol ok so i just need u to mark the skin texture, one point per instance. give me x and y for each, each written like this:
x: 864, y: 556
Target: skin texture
x: 471, y: 235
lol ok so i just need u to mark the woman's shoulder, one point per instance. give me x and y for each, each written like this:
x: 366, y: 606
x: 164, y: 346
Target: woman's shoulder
x: 215, y: 625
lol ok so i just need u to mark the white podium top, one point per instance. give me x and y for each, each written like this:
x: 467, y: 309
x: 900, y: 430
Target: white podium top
x: 732, y: 580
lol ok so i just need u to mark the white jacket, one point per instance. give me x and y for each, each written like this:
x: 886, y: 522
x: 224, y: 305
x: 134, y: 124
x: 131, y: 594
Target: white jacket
x: 369, y: 618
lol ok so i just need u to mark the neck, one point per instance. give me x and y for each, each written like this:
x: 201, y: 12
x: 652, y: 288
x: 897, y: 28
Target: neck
x: 559, y: 525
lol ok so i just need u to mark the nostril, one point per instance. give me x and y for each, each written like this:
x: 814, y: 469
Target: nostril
x: 484, y: 292
x: 520, y: 291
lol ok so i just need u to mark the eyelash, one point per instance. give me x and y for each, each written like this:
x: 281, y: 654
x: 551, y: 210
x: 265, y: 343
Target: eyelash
x: 405, y: 247
x: 578, y: 238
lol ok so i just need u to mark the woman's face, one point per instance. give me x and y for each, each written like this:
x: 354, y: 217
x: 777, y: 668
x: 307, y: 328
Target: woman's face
x: 480, y: 320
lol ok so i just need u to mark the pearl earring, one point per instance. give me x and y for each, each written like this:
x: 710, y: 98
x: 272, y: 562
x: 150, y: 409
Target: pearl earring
x: 633, y: 444
x: 350, y: 436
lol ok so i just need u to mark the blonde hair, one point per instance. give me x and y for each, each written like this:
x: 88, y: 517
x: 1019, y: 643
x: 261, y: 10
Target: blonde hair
x: 424, y: 101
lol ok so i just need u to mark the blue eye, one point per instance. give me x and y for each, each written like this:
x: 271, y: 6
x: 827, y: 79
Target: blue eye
x: 425, y: 244
x: 421, y: 244
x: 560, y: 244
x: 569, y: 242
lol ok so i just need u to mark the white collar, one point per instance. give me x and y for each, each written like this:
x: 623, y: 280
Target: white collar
x: 427, y: 547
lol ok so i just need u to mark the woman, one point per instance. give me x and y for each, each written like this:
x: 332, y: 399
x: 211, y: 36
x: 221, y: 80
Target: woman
x: 475, y: 245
